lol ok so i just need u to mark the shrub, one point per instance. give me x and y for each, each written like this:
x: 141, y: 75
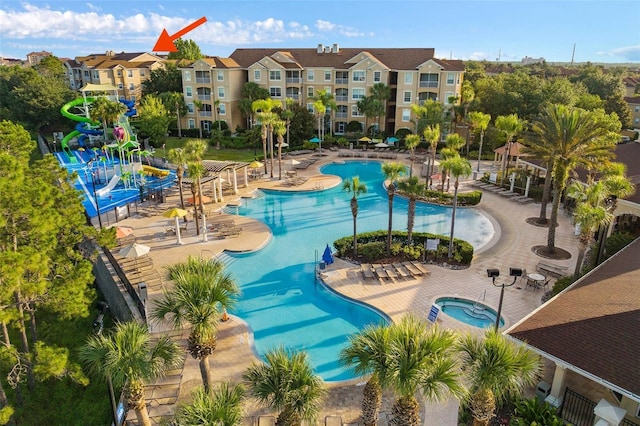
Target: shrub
x: 616, y: 242
x: 402, y: 133
x: 372, y: 251
x: 529, y: 412
x: 562, y: 283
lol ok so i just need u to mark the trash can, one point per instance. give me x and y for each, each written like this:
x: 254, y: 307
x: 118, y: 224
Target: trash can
x: 323, y: 265
x: 542, y: 391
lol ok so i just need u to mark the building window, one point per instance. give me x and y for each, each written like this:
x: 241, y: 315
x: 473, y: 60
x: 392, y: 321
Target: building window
x: 310, y: 92
x: 355, y: 112
x: 275, y: 75
x: 408, y: 78
x: 447, y: 96
x: 132, y: 98
x: 256, y: 75
x: 357, y: 94
x: 191, y: 123
x: 359, y: 76
x: 223, y: 109
x: 406, y: 97
x: 220, y: 92
x: 188, y: 91
x: 220, y: 75
x: 187, y: 76
x: 119, y: 73
x: 377, y: 76
x: 327, y: 75
x: 120, y: 86
x: 129, y: 73
x: 406, y: 115
x: 86, y: 73
x: 190, y: 108
x: 637, y: 108
x: 275, y: 92
x: 310, y: 108
x: 132, y: 86
x: 310, y: 75
x: 142, y: 73
x: 451, y: 79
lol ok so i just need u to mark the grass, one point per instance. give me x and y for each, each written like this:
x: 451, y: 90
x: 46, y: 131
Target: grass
x: 212, y: 153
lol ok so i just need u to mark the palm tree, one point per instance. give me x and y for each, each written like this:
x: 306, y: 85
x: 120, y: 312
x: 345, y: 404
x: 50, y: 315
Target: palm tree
x: 130, y: 357
x: 479, y: 121
x: 323, y: 101
x: 510, y: 125
x: 381, y: 93
x: 195, y: 150
x: 457, y: 166
x: 280, y: 128
x: 451, y: 150
x: 107, y: 111
x: 197, y: 104
x: 412, y: 142
x: 580, y: 139
x: 286, y: 383
x: 391, y: 172
x: 588, y: 218
x: 367, y: 354
x: 222, y: 408
x: 497, y: 370
x: 201, y: 293
x: 422, y: 359
x: 356, y: 187
x: 196, y: 171
x: 179, y: 157
x: 432, y: 136
x: 263, y: 109
x: 412, y: 188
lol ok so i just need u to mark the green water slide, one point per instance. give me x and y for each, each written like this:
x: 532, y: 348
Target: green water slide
x: 64, y: 144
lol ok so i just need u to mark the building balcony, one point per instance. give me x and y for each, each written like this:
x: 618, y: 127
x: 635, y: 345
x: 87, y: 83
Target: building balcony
x: 203, y: 80
x: 433, y: 84
x: 204, y: 97
x: 294, y: 96
x: 341, y: 115
x: 342, y: 81
x: 342, y: 98
x: 293, y: 80
x: 206, y: 114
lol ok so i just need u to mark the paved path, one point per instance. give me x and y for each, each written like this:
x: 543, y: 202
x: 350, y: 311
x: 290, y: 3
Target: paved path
x: 511, y: 247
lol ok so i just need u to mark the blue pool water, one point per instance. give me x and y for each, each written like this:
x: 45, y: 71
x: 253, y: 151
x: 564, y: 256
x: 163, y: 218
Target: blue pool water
x: 468, y: 311
x: 281, y: 301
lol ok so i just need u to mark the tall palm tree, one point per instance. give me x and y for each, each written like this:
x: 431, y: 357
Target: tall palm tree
x: 412, y: 189
x: 197, y: 104
x: 323, y: 101
x: 381, y: 93
x: 411, y: 142
x: 510, y: 125
x: 432, y: 136
x: 280, y: 128
x: 263, y: 108
x: 497, y: 369
x: 453, y: 144
x: 130, y: 357
x: 357, y: 188
x: 195, y: 150
x: 456, y: 166
x: 201, y: 293
x: 179, y: 157
x: 286, y: 383
x: 196, y: 171
x: 588, y: 218
x: 479, y: 121
x: 222, y: 408
x: 367, y: 354
x: 106, y: 111
x: 391, y: 172
x: 422, y: 359
x: 580, y: 139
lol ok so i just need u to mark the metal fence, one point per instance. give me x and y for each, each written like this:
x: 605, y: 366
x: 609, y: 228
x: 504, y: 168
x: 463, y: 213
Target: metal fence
x: 578, y: 410
x: 127, y: 284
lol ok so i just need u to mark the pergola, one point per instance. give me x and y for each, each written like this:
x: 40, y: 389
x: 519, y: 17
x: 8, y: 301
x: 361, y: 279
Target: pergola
x: 215, y: 171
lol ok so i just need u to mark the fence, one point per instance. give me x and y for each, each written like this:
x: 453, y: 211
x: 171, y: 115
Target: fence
x: 127, y: 284
x: 578, y: 410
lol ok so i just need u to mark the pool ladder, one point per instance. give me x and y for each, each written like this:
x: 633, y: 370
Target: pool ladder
x: 478, y: 310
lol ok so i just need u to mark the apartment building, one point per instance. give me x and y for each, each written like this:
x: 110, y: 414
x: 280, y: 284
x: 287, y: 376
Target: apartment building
x: 34, y: 58
x: 212, y: 89
x: 126, y: 71
x: 413, y: 75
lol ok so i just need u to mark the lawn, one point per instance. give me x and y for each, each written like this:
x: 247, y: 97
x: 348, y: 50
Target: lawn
x: 212, y: 153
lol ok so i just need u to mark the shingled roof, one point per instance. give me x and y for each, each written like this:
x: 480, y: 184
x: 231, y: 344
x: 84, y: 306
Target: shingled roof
x: 395, y: 59
x: 594, y: 325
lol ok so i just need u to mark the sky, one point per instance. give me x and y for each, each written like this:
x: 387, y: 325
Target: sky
x: 508, y: 30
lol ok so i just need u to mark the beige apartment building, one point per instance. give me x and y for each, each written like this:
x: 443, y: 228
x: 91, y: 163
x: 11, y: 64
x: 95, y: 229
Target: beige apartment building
x: 126, y: 71
x: 412, y: 74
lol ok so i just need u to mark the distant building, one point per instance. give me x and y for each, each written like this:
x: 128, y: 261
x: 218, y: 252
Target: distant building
x: 8, y: 62
x: 530, y: 61
x: 34, y: 58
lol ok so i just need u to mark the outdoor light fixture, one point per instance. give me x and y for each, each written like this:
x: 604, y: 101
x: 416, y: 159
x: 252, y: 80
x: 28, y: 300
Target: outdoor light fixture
x: 495, y: 273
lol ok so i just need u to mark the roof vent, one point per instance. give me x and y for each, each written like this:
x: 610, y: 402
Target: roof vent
x: 336, y: 48
x: 320, y: 48
x: 327, y: 49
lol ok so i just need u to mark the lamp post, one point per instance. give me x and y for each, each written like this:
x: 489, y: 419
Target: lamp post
x: 493, y: 274
x: 95, y: 197
x: 178, y: 114
x: 219, y: 127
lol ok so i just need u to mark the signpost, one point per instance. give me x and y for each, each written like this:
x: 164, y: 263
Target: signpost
x: 433, y: 313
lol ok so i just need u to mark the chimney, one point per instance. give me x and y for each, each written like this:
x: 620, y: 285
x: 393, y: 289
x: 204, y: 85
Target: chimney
x: 336, y: 48
x: 327, y: 49
x: 320, y: 48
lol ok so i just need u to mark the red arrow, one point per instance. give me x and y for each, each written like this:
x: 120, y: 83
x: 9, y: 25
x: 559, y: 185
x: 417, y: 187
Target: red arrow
x: 165, y: 41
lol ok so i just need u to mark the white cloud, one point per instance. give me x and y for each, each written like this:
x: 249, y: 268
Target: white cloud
x: 627, y: 53
x: 326, y: 26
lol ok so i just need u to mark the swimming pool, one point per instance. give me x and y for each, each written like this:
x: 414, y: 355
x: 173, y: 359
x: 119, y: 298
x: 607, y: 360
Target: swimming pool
x: 281, y: 301
x: 473, y: 313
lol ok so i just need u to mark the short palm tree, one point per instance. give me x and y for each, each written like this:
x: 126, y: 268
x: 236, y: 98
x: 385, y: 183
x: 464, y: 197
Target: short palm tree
x: 510, y: 125
x: 497, y: 369
x: 412, y: 142
x: 357, y: 188
x: 432, y: 136
x: 457, y: 166
x: 263, y: 108
x: 222, y: 408
x: 280, y: 128
x: 367, y: 354
x: 412, y: 189
x: 422, y: 359
x: 479, y: 121
x: 391, y: 172
x: 130, y: 357
x: 201, y: 293
x: 286, y: 383
x: 195, y: 150
x: 195, y: 171
x: 107, y: 111
x: 179, y: 157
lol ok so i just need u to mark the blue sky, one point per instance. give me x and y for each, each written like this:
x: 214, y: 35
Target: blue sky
x: 602, y: 31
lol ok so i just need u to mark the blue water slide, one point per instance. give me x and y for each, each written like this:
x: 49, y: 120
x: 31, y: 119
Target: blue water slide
x: 132, y: 107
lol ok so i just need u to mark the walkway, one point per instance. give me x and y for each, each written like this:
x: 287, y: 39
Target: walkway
x: 511, y: 247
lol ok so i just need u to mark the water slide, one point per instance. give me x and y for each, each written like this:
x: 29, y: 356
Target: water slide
x: 112, y: 184
x: 81, y: 129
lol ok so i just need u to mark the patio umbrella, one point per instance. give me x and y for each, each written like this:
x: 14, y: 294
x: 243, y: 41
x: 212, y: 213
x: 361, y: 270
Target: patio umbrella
x: 327, y: 256
x: 255, y: 164
x: 134, y: 251
x: 314, y: 140
x: 123, y: 231
x: 176, y: 213
x: 283, y: 144
x: 291, y: 162
x: 382, y: 145
x: 392, y: 139
x: 364, y: 139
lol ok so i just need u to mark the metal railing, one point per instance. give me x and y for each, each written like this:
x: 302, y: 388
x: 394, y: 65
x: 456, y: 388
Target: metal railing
x: 203, y: 80
x: 127, y: 284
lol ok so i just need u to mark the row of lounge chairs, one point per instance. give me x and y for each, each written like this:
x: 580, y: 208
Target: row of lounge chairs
x: 393, y: 271
x: 225, y: 229
x: 305, y: 163
x: 503, y: 192
x: 295, y: 181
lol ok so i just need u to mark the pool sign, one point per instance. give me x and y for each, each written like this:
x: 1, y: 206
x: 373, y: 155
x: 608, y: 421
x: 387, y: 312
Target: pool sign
x: 433, y: 313
x: 432, y: 244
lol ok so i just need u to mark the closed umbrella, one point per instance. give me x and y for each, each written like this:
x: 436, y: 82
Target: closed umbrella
x: 327, y: 256
x: 176, y: 213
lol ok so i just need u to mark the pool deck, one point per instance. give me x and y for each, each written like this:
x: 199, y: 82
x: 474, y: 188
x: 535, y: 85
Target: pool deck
x: 511, y: 247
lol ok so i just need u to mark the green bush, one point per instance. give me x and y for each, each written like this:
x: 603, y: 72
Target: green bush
x: 616, y: 242
x: 530, y: 412
x: 372, y: 251
x: 562, y: 283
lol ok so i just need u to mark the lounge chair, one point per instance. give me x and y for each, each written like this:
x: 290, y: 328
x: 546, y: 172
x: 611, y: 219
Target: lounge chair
x: 390, y: 272
x: 401, y: 270
x: 367, y: 272
x: 412, y: 269
x: 421, y: 267
x: 379, y: 271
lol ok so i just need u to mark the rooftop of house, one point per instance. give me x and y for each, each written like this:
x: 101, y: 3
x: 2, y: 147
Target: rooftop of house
x: 594, y: 325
